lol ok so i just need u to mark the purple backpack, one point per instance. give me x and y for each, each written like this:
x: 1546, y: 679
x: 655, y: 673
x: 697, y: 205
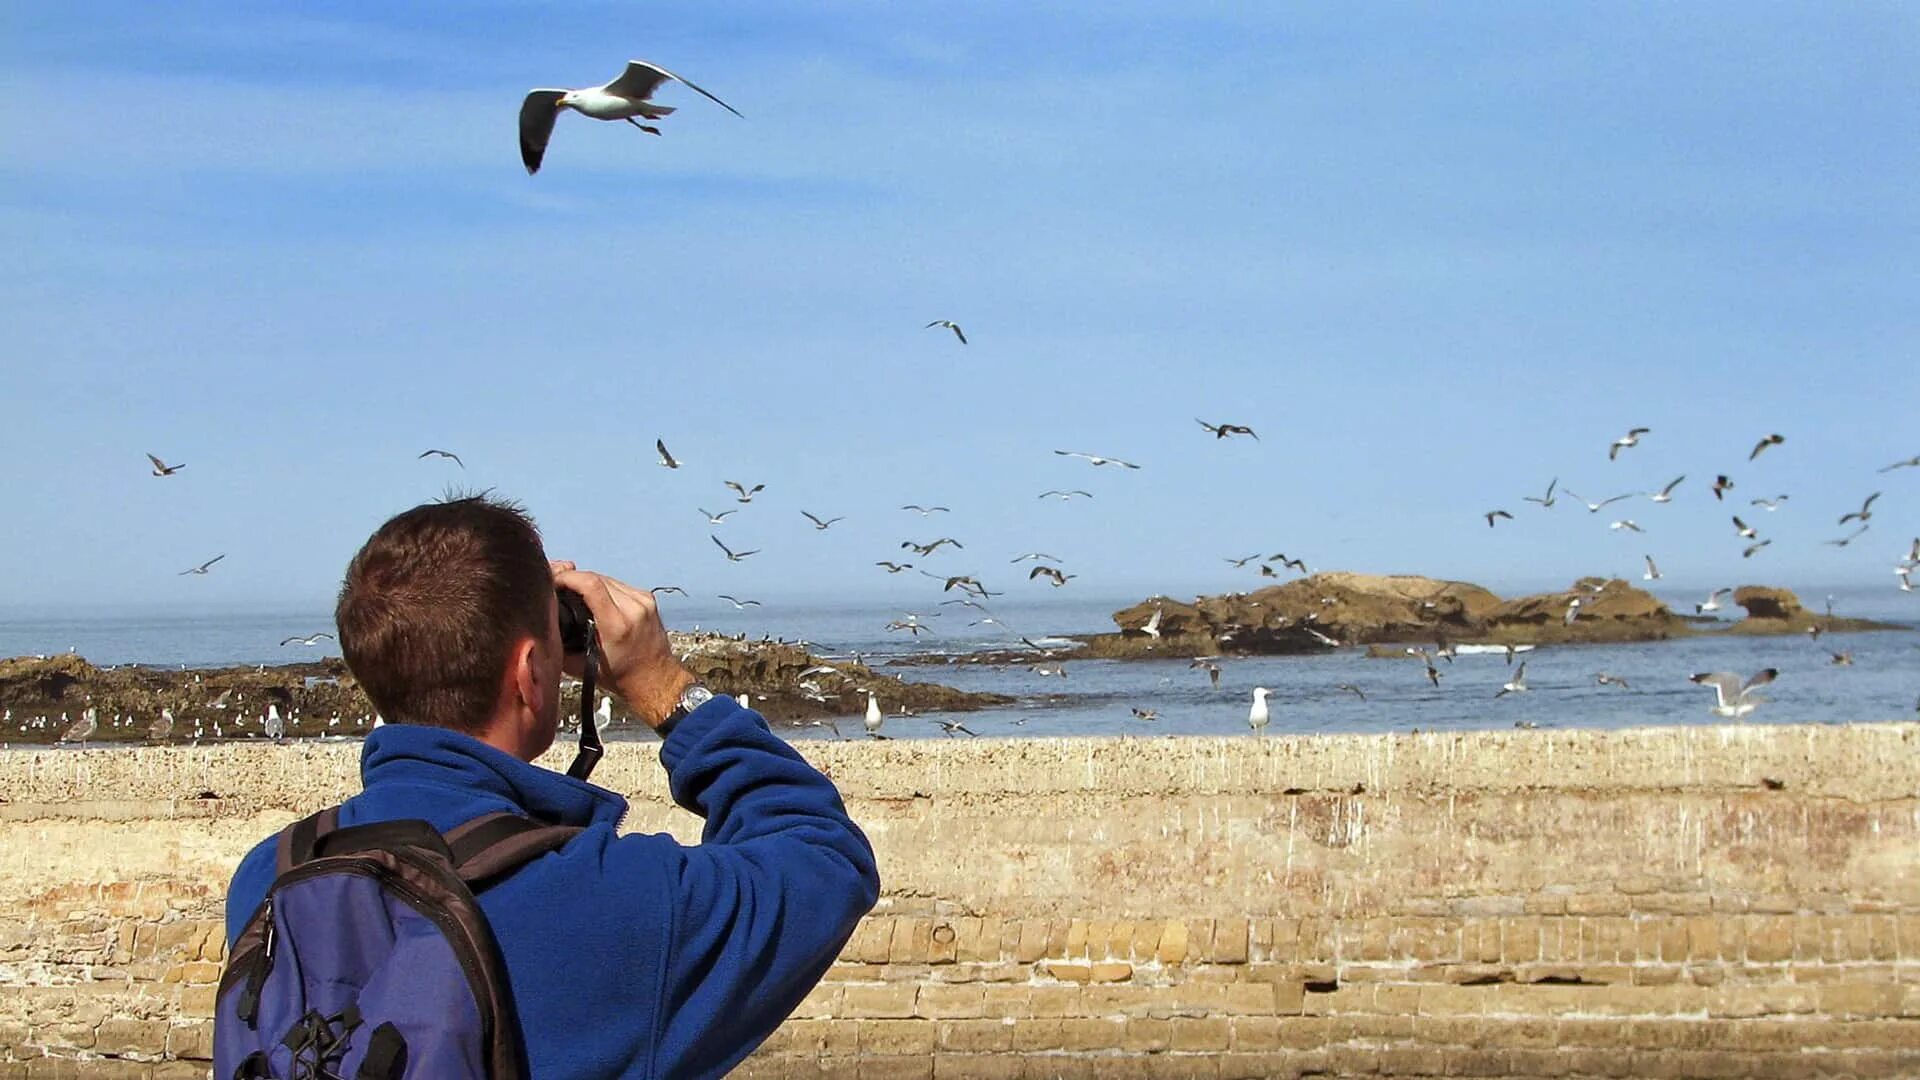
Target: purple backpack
x: 369, y: 959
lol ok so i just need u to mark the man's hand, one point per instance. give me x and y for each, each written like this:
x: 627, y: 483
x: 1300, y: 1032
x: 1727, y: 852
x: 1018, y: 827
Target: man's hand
x: 636, y: 660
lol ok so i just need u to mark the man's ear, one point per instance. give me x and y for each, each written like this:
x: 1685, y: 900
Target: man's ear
x: 526, y: 674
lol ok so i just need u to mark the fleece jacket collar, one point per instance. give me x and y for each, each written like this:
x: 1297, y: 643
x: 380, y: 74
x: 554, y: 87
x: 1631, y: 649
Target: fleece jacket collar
x: 413, y: 756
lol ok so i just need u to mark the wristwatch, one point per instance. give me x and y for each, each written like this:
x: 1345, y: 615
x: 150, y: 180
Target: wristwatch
x: 691, y: 698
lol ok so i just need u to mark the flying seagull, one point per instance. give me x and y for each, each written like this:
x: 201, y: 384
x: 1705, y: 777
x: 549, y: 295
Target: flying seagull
x: 1064, y: 496
x: 1051, y: 574
x: 1628, y: 524
x: 1746, y: 531
x: 1148, y: 715
x: 1096, y: 459
x: 819, y: 524
x: 667, y: 460
x: 1911, y: 463
x: 1847, y: 539
x: 923, y: 511
x: 1721, y: 485
x: 1546, y: 502
x: 928, y: 549
x: 1712, y: 602
x: 746, y: 493
x: 1631, y: 438
x: 949, y: 324
x: 202, y: 568
x: 161, y: 468
x: 310, y: 639
x: 1351, y: 689
x: 1734, y: 699
x: 448, y: 454
x: 1865, y: 513
x: 1207, y: 665
x: 1605, y: 679
x: 1596, y: 507
x: 1771, y: 440
x: 1665, y: 494
x: 1221, y: 431
x: 1491, y: 514
x: 894, y: 567
x: 622, y: 99
x: 1515, y: 685
x: 1768, y: 505
x: 1653, y: 572
x: 1752, y: 548
x: 1241, y: 563
x: 1034, y: 555
x: 732, y: 555
x: 668, y: 589
x: 739, y: 605
x: 1152, y: 625
x: 713, y: 518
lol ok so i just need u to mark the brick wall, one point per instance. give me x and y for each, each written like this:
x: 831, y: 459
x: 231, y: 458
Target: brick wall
x: 1673, y: 902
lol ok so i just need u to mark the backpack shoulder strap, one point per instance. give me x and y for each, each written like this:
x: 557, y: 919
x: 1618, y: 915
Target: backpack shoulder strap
x: 496, y: 844
x: 297, y: 841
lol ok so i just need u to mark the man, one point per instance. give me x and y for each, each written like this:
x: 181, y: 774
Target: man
x: 626, y: 956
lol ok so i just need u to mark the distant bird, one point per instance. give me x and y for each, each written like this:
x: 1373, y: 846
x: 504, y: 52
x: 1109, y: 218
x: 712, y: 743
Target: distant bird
x: 910, y: 625
x: 819, y: 524
x: 1734, y: 699
x: 1058, y: 670
x: 1721, y: 485
x: 1212, y: 669
x: 622, y: 99
x: 658, y: 589
x: 449, y: 455
x: 746, y: 493
x: 1148, y: 715
x: 713, y: 518
x: 1910, y: 463
x: 1351, y: 689
x: 1771, y: 440
x: 1268, y: 571
x: 1240, y: 563
x: 923, y: 511
x: 732, y: 555
x: 1865, y: 513
x: 964, y: 582
x: 1752, y: 548
x: 310, y: 639
x: 1665, y: 494
x: 1842, y: 659
x: 739, y: 605
x: 274, y: 726
x: 1630, y: 439
x: 1151, y: 627
x: 1546, y: 502
x: 1221, y: 431
x: 1769, y: 504
x: 1573, y: 611
x: 874, y: 718
x: 1847, y: 539
x: 1605, y: 679
x: 1712, y: 602
x: 951, y: 325
x: 82, y: 729
x: 955, y: 727
x: 1746, y: 531
x: 1052, y: 574
x: 1096, y: 459
x: 1065, y: 496
x: 1628, y: 524
x: 929, y: 548
x: 163, y: 727
x: 1515, y: 685
x: 667, y: 460
x: 1433, y: 673
x: 1491, y: 514
x: 1653, y: 572
x: 203, y: 567
x: 1596, y: 507
x: 1906, y: 577
x: 1293, y: 564
x: 894, y: 567
x: 161, y: 468
x: 1258, y: 716
x: 1033, y: 555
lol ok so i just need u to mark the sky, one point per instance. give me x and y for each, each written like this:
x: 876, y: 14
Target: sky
x: 1435, y: 256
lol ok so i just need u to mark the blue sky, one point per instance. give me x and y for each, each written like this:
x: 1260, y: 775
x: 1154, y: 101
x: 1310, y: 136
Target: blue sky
x: 1436, y: 256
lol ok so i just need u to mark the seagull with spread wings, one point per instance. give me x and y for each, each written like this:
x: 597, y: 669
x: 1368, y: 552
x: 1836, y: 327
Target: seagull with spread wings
x: 924, y: 550
x: 1653, y: 572
x: 1221, y: 431
x: 1096, y: 459
x: 622, y: 99
x: 310, y: 639
x: 1630, y: 439
x: 161, y: 468
x: 745, y: 494
x: 1491, y: 514
x: 1665, y: 494
x: 448, y: 454
x: 203, y: 567
x: 951, y: 325
x: 667, y: 460
x: 1733, y: 698
x: 1546, y: 503
x: 713, y: 518
x: 732, y: 555
x: 1865, y: 513
x: 1771, y: 440
x: 1066, y: 496
x: 819, y: 524
x: 923, y: 511
x: 739, y: 605
x: 1596, y: 507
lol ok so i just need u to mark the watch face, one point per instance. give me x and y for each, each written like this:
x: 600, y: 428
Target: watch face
x: 694, y: 697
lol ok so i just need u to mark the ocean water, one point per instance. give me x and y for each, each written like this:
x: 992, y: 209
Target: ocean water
x: 1883, y: 682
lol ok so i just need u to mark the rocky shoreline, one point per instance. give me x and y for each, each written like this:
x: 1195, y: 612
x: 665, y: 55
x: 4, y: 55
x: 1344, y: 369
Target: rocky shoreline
x: 43, y: 696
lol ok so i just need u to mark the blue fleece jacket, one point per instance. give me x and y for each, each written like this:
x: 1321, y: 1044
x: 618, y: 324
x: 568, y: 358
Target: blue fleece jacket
x: 636, y: 956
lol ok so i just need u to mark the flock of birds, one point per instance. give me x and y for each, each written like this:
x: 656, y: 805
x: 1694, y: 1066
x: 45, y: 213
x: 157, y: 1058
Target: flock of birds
x: 628, y: 98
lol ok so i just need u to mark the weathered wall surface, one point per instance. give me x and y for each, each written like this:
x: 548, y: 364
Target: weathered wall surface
x: 1739, y: 901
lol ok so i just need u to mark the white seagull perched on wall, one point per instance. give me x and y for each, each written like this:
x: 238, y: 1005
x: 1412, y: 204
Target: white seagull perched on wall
x: 622, y: 99
x: 1257, y: 716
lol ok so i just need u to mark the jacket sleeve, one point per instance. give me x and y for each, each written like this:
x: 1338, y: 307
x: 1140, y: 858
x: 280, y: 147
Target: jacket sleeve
x: 768, y: 899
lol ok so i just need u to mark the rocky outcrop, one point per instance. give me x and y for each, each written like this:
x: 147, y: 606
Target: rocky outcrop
x: 1779, y: 611
x: 322, y: 698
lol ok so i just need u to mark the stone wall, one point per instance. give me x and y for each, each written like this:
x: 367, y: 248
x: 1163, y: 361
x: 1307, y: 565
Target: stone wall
x: 1724, y: 901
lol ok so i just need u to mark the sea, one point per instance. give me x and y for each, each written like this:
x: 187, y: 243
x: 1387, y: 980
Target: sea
x: 1096, y: 697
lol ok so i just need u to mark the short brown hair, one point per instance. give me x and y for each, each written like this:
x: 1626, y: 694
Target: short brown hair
x: 434, y: 603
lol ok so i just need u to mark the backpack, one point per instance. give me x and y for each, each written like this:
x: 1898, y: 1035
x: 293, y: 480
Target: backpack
x: 370, y: 959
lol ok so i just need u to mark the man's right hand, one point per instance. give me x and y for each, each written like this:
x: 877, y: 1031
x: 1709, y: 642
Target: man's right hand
x: 637, y: 662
